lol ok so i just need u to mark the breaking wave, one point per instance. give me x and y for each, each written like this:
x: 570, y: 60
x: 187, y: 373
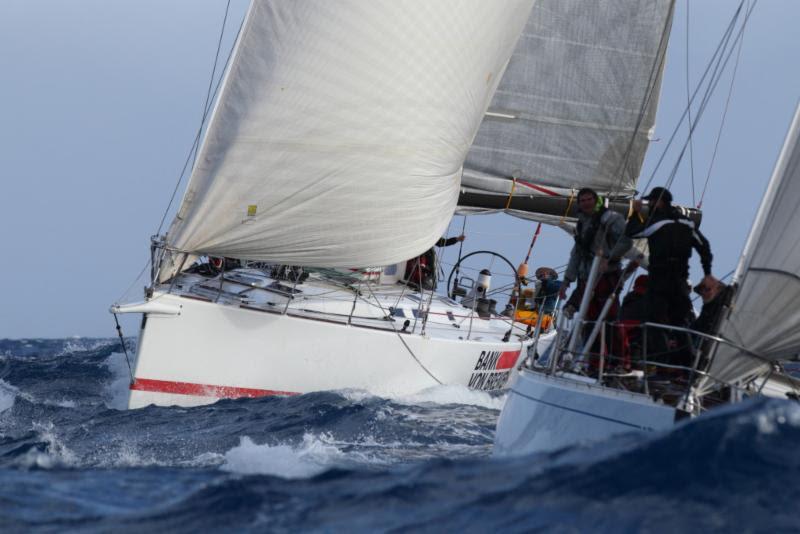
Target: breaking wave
x: 71, y: 458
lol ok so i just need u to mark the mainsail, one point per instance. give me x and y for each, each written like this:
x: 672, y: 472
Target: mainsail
x: 575, y: 106
x: 340, y: 132
x: 764, y: 314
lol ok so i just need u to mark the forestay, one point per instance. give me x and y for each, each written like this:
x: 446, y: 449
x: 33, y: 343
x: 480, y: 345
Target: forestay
x: 341, y: 129
x: 765, y: 316
x: 577, y: 102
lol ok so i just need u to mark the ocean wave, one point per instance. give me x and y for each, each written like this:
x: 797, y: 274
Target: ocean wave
x: 347, y: 460
x: 316, y: 453
x: 116, y: 388
x: 441, y: 394
x: 8, y: 394
x: 455, y: 394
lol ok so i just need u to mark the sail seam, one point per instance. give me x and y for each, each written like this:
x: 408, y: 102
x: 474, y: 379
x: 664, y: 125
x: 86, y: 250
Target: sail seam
x: 793, y: 276
x: 565, y: 122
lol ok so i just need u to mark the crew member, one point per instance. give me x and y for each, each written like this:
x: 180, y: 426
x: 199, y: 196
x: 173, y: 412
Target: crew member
x: 598, y: 231
x: 544, y: 297
x: 671, y: 236
x: 715, y: 295
x: 421, y: 271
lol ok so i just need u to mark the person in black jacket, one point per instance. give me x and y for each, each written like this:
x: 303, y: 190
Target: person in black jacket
x: 671, y: 237
x: 634, y: 305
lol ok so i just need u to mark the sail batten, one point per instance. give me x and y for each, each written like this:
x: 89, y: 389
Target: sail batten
x: 340, y: 133
x: 577, y: 104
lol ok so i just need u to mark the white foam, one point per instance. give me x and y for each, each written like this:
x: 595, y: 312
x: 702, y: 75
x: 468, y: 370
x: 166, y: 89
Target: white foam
x: 443, y: 394
x: 454, y: 394
x: 313, y: 456
x: 773, y: 418
x: 356, y: 395
x: 128, y: 455
x: 80, y: 344
x: 55, y: 453
x: 116, y: 391
x: 205, y: 459
x: 8, y: 394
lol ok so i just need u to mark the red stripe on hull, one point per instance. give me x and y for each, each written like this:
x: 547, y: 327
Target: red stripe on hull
x: 507, y: 360
x: 202, y: 390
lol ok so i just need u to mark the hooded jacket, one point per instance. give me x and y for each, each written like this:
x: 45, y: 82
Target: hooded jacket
x: 671, y: 237
x: 603, y: 230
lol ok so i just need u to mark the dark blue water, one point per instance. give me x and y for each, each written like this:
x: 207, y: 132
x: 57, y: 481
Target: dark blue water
x: 72, y: 459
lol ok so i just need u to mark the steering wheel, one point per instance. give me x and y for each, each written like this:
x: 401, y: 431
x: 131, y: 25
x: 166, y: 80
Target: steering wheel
x: 456, y: 267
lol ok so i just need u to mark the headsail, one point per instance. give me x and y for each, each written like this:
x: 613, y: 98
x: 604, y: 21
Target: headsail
x: 765, y: 315
x: 576, y: 104
x: 341, y: 129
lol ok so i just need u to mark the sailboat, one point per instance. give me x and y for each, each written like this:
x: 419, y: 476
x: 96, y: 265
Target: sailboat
x: 559, y: 401
x: 336, y: 143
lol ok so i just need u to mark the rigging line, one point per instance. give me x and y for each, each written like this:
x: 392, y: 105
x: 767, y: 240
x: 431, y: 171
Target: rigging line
x: 206, y: 108
x: 403, y: 341
x: 720, y: 47
x: 689, y: 104
x: 716, y: 77
x: 124, y: 348
x: 728, y: 274
x: 213, y: 72
x: 437, y: 266
x: 125, y: 294
x: 661, y: 54
x: 714, y: 81
x: 722, y: 122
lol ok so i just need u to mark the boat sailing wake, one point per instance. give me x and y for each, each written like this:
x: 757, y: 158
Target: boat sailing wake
x: 321, y: 459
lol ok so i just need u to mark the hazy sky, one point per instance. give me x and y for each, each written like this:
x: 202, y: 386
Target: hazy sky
x: 100, y: 101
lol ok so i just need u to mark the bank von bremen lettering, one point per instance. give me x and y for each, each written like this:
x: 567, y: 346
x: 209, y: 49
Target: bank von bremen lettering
x: 492, y: 369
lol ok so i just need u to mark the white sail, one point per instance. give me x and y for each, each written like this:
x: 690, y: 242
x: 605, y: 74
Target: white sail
x: 765, y: 314
x: 577, y: 102
x: 341, y: 129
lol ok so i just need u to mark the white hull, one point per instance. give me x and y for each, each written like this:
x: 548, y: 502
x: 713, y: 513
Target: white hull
x: 546, y: 412
x: 209, y: 351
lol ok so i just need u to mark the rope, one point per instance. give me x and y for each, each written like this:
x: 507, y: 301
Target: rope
x: 715, y: 78
x: 400, y: 337
x: 652, y: 82
x: 569, y: 206
x: 689, y: 104
x: 124, y: 348
x: 213, y: 70
x: 125, y: 294
x: 722, y: 122
x: 206, y: 109
x: 511, y: 194
x: 719, y: 51
x: 460, y: 249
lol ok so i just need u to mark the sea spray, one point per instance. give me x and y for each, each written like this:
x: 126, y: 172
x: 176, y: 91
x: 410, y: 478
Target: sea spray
x: 71, y: 459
